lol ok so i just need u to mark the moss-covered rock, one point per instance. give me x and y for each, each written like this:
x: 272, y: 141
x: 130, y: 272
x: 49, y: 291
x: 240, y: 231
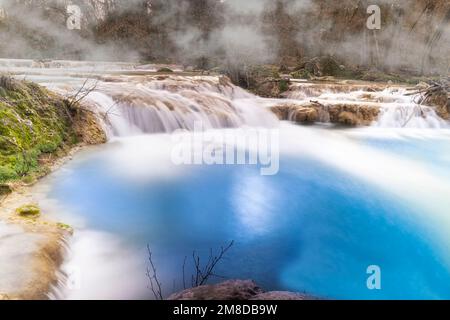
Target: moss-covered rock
x: 301, y: 74
x: 65, y: 227
x: 29, y: 211
x: 165, y: 70
x: 33, y: 123
x: 283, y: 85
x: 87, y: 127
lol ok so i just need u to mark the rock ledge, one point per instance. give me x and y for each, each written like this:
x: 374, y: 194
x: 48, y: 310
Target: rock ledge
x: 236, y: 290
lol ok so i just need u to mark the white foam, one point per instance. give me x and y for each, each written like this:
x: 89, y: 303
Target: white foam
x: 99, y: 266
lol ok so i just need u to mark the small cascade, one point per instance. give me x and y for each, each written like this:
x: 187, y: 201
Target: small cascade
x: 135, y: 99
x: 306, y: 90
x: 165, y: 105
x: 405, y: 112
x: 397, y: 108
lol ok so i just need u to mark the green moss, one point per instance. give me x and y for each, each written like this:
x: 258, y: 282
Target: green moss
x: 33, y: 122
x: 64, y: 226
x: 7, y: 173
x: 165, y: 70
x: 283, y: 85
x: 29, y: 211
x: 301, y: 74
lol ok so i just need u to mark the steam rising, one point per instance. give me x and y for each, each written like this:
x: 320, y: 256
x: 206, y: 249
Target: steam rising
x: 414, y: 35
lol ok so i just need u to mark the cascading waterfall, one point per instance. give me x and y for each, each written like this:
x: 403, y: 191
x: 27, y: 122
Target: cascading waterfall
x: 131, y: 99
x: 403, y: 111
x: 398, y: 109
x: 165, y: 105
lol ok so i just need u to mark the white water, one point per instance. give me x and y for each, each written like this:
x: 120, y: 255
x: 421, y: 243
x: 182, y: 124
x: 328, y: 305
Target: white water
x: 398, y: 110
x: 133, y: 100
x: 16, y: 250
x: 156, y: 106
x: 136, y: 100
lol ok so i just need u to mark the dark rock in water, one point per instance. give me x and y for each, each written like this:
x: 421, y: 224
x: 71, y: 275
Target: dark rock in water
x: 296, y: 113
x: 235, y: 290
x: 5, y: 190
x: 440, y: 100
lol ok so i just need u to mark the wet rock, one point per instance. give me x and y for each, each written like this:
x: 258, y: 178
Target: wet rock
x: 348, y: 119
x: 229, y: 290
x: 87, y: 127
x: 282, y: 112
x: 268, y: 89
x: 28, y: 211
x: 306, y: 115
x: 353, y: 114
x: 340, y: 113
x: 235, y: 290
x: 297, y: 113
x: 263, y: 80
x: 440, y: 100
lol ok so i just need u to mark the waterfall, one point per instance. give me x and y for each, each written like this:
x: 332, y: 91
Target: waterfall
x: 397, y: 108
x: 134, y: 99
x: 404, y: 112
x: 158, y: 105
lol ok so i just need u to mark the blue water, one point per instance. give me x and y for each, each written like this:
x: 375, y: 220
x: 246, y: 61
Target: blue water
x: 311, y: 228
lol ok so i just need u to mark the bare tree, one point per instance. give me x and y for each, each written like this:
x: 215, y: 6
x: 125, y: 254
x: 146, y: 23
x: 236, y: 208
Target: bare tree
x: 202, y: 273
x: 422, y: 96
x: 73, y: 101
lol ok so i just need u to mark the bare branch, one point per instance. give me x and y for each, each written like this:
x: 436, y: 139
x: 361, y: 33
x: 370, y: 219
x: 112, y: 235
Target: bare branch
x: 203, y: 274
x: 155, y: 284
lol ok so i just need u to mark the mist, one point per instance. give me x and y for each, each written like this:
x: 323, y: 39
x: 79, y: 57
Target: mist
x: 414, y: 34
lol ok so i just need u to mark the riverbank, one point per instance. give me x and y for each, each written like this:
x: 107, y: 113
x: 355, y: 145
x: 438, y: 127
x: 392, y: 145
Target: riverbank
x: 39, y: 133
x: 34, y: 265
